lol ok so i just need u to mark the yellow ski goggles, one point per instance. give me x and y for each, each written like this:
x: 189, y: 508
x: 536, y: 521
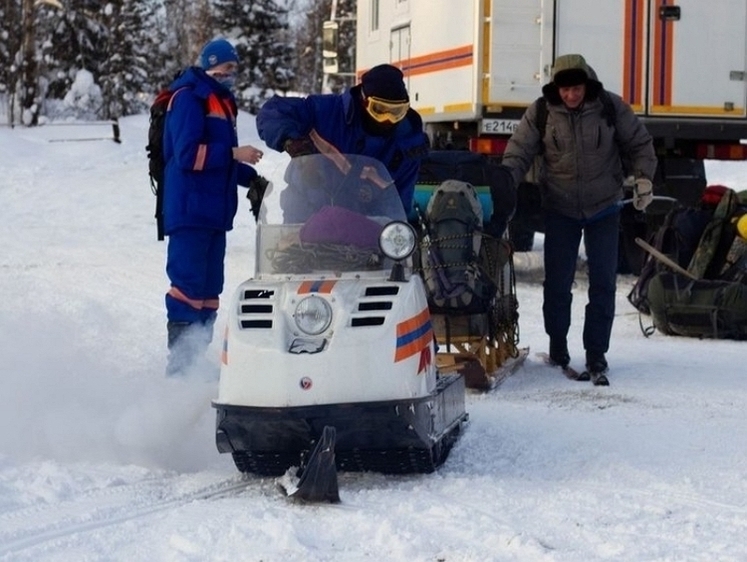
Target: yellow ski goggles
x: 382, y: 110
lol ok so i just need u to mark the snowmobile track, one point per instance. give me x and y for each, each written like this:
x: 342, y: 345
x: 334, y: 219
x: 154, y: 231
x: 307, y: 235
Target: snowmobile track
x: 386, y: 462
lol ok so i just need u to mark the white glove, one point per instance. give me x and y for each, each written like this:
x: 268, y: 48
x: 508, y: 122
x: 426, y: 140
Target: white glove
x: 643, y: 194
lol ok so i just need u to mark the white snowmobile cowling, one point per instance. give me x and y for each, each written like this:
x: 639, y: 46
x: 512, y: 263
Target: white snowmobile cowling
x: 331, y: 332
x: 379, y: 362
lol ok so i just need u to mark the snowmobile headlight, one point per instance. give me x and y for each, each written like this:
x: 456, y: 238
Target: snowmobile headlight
x: 313, y: 315
x: 397, y: 240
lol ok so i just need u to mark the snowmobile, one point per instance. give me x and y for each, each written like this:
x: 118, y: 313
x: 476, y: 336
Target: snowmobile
x: 328, y: 359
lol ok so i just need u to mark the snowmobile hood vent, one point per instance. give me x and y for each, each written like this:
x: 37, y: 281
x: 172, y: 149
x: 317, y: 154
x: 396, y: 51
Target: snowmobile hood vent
x: 382, y: 290
x: 373, y: 306
x: 256, y: 309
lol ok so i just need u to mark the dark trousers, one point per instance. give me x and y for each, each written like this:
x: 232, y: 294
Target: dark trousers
x: 562, y: 240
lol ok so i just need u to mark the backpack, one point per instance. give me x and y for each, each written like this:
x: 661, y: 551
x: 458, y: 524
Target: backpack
x: 718, y: 235
x: 704, y: 308
x: 493, y: 183
x: 711, y: 300
x: 154, y: 148
x: 677, y: 238
x: 451, y: 249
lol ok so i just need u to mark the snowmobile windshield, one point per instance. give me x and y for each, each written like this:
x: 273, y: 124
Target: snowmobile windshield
x: 326, y: 215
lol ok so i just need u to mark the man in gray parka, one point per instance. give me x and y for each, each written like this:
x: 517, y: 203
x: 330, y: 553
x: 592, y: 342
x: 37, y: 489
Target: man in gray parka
x: 581, y: 181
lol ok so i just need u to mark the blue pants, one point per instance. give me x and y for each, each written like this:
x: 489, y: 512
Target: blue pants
x: 194, y: 265
x: 562, y: 240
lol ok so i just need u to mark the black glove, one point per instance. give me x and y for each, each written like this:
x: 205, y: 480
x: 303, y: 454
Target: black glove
x: 256, y: 193
x: 299, y: 147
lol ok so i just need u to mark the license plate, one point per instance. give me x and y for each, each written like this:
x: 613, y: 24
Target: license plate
x: 499, y: 126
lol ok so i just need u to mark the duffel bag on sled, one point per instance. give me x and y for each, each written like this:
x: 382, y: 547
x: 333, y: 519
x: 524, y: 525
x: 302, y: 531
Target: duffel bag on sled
x: 698, y: 308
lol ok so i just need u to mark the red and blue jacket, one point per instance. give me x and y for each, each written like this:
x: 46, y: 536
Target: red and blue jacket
x: 338, y: 118
x: 201, y: 175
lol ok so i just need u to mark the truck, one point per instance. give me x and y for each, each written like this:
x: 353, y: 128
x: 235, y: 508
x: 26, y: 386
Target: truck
x: 472, y: 67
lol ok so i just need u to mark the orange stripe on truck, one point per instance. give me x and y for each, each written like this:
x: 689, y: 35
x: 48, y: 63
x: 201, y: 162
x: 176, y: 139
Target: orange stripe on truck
x: 434, y: 62
x: 663, y: 56
x: 634, y: 51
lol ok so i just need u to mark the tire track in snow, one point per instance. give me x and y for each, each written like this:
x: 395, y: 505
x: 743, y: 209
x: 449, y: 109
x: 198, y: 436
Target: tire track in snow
x: 33, y: 526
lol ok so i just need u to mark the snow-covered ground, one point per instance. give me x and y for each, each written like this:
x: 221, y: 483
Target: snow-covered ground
x: 104, y: 459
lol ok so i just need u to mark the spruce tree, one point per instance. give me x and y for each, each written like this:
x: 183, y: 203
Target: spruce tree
x: 259, y: 30
x: 70, y: 40
x: 124, y: 72
x: 10, y: 46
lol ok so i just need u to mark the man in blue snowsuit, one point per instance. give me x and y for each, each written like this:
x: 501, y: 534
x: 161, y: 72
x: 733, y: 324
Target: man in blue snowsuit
x: 373, y: 119
x: 204, y: 165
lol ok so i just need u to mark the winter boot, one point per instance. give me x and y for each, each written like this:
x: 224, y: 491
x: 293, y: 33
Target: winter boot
x: 183, y: 347
x: 208, y: 324
x: 597, y: 367
x: 595, y: 362
x: 207, y: 367
x: 559, y: 352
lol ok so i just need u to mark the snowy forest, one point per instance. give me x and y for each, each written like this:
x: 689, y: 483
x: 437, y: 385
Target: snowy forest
x: 93, y: 59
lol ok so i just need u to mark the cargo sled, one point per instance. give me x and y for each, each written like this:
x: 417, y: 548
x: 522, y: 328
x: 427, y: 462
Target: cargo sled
x: 334, y: 331
x: 477, y: 325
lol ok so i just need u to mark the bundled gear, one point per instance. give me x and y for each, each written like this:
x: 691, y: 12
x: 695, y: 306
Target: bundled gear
x: 698, y: 308
x: 463, y: 247
x: 702, y: 291
x: 677, y: 237
x: 453, y: 225
x: 493, y: 183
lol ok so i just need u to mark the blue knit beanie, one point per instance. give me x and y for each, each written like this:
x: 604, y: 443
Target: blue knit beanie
x: 217, y: 52
x: 386, y: 82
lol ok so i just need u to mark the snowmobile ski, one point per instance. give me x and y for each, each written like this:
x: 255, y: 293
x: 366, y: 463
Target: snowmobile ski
x: 317, y: 481
x: 568, y: 371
